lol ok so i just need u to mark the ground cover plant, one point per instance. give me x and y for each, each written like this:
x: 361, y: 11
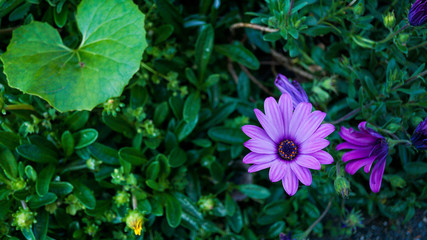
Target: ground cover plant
x: 169, y: 119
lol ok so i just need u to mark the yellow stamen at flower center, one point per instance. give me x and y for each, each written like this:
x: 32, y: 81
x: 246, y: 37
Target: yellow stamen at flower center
x: 137, y: 227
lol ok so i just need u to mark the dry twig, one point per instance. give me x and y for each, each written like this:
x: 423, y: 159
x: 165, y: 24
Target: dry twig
x: 254, y: 80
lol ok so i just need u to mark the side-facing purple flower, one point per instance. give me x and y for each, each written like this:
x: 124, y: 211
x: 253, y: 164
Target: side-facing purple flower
x: 294, y: 89
x: 367, y: 146
x: 418, y: 13
x: 419, y: 138
x: 290, y: 142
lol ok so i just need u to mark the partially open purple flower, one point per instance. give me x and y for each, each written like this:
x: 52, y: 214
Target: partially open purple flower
x: 418, y: 13
x: 419, y: 138
x: 367, y: 146
x: 290, y: 144
x: 294, y: 89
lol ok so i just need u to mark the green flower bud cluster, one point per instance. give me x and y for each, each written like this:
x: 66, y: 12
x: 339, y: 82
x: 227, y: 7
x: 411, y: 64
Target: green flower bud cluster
x: 206, y: 203
x: 112, y: 106
x: 121, y: 198
x: 74, y: 205
x: 23, y: 218
x: 354, y: 219
x: 389, y: 20
x: 118, y: 176
x: 18, y: 184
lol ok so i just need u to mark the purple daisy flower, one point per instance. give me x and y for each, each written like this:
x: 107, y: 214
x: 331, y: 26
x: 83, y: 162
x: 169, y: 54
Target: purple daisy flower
x: 367, y: 146
x: 419, y: 138
x: 418, y: 13
x: 290, y: 142
x: 294, y: 89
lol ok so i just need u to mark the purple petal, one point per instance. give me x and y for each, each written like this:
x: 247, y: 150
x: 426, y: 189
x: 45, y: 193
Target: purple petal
x: 300, y: 113
x: 302, y: 173
x: 377, y: 175
x: 313, y: 146
x: 256, y: 158
x: 285, y: 104
x: 357, y: 138
x: 277, y: 170
x: 355, y: 165
x: 323, y: 131
x: 309, y: 126
x: 268, y: 127
x: 274, y: 114
x: 260, y: 146
x: 323, y: 157
x: 256, y: 132
x: 294, y: 89
x: 356, y: 154
x: 258, y: 167
x: 346, y: 145
x: 308, y: 162
x: 290, y: 181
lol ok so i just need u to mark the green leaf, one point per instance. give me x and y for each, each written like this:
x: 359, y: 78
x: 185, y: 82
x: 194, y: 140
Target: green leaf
x: 236, y: 220
x: 85, y: 195
x: 36, y: 201
x: 37, y: 154
x: 43, y: 180
x: 67, y: 142
x: 8, y: 162
x: 105, y: 154
x: 204, y: 45
x: 416, y: 168
x: 177, y: 157
x: 9, y: 139
x: 311, y: 210
x: 161, y: 113
x: 28, y: 234
x: 132, y: 155
x: 227, y: 135
x: 85, y: 137
x: 77, y: 120
x: 61, y: 17
x: 40, y: 228
x: 61, y: 188
x: 254, y: 191
x: 30, y: 172
x: 173, y: 211
x: 113, y: 40
x: 191, y: 107
x: 163, y: 32
x: 240, y: 54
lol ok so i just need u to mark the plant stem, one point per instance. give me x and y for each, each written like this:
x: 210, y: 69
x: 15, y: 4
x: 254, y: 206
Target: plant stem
x: 19, y: 107
x: 253, y: 26
x: 24, y: 205
x: 134, y: 202
x: 391, y: 35
x: 254, y: 80
x: 411, y: 79
x: 308, y: 231
x: 143, y: 65
x: 417, y: 46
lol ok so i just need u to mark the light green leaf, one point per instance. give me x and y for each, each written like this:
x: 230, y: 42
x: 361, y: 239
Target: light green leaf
x: 113, y: 40
x: 43, y: 180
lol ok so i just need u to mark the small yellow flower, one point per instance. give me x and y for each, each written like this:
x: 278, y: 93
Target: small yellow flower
x: 135, y: 221
x: 137, y: 227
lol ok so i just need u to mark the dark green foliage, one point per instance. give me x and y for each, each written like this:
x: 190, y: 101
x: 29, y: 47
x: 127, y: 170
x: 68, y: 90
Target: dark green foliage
x: 171, y: 146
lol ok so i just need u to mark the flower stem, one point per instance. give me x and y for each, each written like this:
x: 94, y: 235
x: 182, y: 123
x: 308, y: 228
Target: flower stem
x: 24, y: 205
x: 417, y: 46
x: 134, y: 202
x: 308, y: 231
x: 143, y: 65
x: 391, y: 35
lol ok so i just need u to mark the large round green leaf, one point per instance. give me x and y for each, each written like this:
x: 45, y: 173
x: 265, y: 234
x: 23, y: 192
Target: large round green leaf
x: 113, y: 40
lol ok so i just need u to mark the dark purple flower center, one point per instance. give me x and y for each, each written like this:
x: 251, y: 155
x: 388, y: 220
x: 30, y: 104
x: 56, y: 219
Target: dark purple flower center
x: 287, y: 150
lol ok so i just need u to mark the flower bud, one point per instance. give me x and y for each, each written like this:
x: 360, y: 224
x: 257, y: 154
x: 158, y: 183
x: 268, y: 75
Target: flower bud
x: 135, y: 221
x: 23, y: 218
x: 389, y: 20
x: 294, y: 89
x: 403, y: 38
x: 121, y: 198
x: 342, y: 186
x: 18, y: 184
x: 206, y: 203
